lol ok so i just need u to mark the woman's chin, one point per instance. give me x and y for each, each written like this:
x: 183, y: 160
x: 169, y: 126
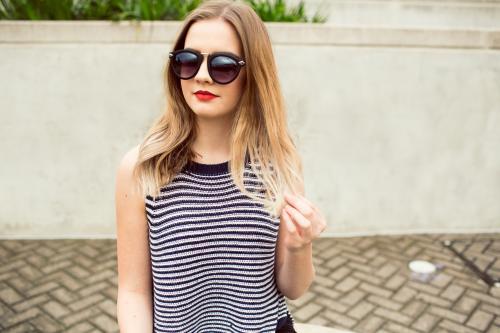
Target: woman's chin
x: 207, y: 112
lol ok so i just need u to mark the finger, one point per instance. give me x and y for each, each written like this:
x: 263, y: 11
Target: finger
x: 298, y: 203
x: 309, y: 202
x: 303, y: 224
x: 290, y: 226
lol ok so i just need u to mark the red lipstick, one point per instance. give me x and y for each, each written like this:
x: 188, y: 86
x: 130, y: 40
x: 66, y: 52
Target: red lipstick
x: 204, y: 95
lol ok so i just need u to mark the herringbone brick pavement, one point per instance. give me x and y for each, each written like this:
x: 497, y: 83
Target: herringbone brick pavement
x: 363, y: 284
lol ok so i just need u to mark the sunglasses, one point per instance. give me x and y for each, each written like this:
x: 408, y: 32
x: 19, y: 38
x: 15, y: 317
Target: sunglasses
x: 223, y: 67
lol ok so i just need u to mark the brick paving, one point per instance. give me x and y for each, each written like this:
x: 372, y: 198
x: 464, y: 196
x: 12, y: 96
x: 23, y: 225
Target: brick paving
x: 363, y: 284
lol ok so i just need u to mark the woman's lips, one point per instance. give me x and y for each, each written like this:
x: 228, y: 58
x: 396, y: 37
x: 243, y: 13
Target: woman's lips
x: 204, y: 97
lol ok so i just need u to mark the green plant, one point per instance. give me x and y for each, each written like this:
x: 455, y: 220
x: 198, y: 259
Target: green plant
x: 157, y: 9
x: 268, y: 10
x: 277, y: 11
x: 35, y: 10
x: 97, y: 9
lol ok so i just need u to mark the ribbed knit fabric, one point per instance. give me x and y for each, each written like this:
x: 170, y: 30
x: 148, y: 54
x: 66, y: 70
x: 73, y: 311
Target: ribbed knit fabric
x: 212, y: 255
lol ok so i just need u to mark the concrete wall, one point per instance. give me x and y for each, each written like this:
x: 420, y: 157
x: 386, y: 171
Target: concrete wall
x: 398, y: 127
x: 408, y: 13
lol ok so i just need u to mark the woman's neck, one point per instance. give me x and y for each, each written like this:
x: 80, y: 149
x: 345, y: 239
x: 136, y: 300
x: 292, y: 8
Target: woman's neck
x: 212, y: 144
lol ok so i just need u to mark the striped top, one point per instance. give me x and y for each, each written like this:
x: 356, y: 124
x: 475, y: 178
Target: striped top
x: 213, y: 254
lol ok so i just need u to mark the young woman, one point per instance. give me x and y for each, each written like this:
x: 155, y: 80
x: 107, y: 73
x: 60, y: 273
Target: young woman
x: 213, y: 230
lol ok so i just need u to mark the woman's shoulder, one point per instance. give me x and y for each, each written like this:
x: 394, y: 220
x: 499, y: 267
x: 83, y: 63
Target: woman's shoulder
x: 130, y: 156
x: 125, y: 170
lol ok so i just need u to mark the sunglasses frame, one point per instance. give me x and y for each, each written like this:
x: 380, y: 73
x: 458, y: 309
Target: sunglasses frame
x: 199, y: 55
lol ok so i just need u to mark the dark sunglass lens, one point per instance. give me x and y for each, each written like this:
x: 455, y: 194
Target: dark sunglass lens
x: 185, y: 64
x: 224, y: 69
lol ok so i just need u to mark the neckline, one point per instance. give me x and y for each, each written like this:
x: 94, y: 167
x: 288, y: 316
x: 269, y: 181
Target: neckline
x: 208, y: 169
x: 212, y: 169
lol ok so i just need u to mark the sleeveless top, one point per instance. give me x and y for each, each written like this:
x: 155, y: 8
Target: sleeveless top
x: 213, y: 254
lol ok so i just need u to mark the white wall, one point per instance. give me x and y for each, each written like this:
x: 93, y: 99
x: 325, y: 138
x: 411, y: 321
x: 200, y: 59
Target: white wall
x: 398, y: 128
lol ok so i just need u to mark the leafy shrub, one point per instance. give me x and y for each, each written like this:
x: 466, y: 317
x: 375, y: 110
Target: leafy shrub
x: 268, y: 10
x: 277, y: 11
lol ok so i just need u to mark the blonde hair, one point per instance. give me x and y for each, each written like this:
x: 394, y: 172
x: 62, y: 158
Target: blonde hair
x: 259, y: 129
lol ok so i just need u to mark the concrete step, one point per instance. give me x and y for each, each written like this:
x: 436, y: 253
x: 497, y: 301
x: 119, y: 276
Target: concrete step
x: 309, y: 328
x: 407, y: 13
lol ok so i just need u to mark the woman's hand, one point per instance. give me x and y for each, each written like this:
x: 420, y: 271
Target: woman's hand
x: 303, y: 220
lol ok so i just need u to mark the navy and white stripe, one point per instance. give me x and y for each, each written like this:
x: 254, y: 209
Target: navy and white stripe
x: 212, y: 255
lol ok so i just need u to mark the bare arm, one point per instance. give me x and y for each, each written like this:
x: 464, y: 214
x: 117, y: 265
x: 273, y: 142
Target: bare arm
x: 294, y: 270
x: 134, y: 302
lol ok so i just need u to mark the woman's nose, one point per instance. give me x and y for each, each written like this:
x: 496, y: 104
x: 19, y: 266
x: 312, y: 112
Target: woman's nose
x: 202, y: 74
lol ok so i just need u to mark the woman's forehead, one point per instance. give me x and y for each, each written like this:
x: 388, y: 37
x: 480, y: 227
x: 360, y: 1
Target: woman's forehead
x: 214, y: 35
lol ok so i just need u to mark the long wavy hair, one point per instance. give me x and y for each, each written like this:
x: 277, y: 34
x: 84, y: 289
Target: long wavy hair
x: 259, y: 130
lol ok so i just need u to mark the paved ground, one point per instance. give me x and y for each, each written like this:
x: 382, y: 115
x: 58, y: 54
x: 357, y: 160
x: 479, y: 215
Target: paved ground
x: 363, y: 284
